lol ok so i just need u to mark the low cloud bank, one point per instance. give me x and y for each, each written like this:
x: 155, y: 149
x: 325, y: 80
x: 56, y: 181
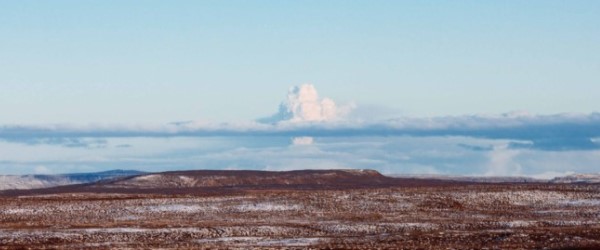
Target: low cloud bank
x: 543, y: 132
x: 304, y: 114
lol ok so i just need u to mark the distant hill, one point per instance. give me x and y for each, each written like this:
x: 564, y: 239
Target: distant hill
x: 8, y: 182
x: 192, y: 181
x: 577, y: 178
x: 206, y: 182
x: 475, y: 179
x: 251, y: 178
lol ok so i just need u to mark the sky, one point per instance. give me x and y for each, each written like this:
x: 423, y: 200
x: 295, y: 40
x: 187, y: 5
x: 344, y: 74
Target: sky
x: 409, y: 87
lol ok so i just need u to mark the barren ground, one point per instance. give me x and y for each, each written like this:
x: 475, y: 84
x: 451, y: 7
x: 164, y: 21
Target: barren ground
x: 474, y: 216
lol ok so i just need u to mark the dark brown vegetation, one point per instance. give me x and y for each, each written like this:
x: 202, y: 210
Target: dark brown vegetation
x: 257, y: 212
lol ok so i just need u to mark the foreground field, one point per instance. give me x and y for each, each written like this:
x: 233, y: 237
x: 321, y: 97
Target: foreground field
x: 465, y: 216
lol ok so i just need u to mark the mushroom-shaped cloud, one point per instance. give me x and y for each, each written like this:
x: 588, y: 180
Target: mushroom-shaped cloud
x: 304, y: 105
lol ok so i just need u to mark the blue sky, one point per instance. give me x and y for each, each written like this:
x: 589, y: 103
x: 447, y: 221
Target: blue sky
x: 156, y: 61
x: 130, y: 66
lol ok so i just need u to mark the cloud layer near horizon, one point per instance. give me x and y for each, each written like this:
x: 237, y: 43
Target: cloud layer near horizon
x: 544, y: 132
x: 392, y: 155
x: 313, y: 132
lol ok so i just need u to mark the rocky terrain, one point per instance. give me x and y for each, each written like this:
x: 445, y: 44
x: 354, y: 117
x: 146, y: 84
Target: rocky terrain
x: 300, y: 210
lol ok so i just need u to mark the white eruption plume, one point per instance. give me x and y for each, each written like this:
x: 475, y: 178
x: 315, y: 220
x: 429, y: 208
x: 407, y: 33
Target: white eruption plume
x: 303, y: 104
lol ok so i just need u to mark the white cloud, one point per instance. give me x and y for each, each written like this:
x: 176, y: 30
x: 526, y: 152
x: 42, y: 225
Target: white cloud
x: 546, y: 132
x: 42, y: 170
x: 502, y: 162
x: 303, y: 104
x: 303, y: 140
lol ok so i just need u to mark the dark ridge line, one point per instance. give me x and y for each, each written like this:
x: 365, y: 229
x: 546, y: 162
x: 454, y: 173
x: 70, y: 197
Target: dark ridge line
x: 367, y: 179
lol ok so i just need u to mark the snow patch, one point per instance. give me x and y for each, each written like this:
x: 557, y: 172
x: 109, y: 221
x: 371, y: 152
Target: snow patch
x: 147, y: 177
x: 582, y: 202
x: 263, y: 241
x: 19, y: 211
x: 178, y: 208
x: 267, y: 206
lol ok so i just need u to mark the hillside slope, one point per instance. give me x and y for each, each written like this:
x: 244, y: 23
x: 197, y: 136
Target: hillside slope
x: 8, y: 182
x: 250, y: 178
x: 217, y: 182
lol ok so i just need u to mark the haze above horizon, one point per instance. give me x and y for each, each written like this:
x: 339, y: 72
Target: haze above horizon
x: 460, y: 87
x: 154, y: 61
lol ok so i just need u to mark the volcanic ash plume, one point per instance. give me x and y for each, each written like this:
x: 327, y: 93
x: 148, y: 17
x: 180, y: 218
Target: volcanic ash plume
x: 304, y: 105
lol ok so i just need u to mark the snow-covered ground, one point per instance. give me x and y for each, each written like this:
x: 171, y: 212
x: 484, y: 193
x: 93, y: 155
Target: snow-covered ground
x: 462, y: 217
